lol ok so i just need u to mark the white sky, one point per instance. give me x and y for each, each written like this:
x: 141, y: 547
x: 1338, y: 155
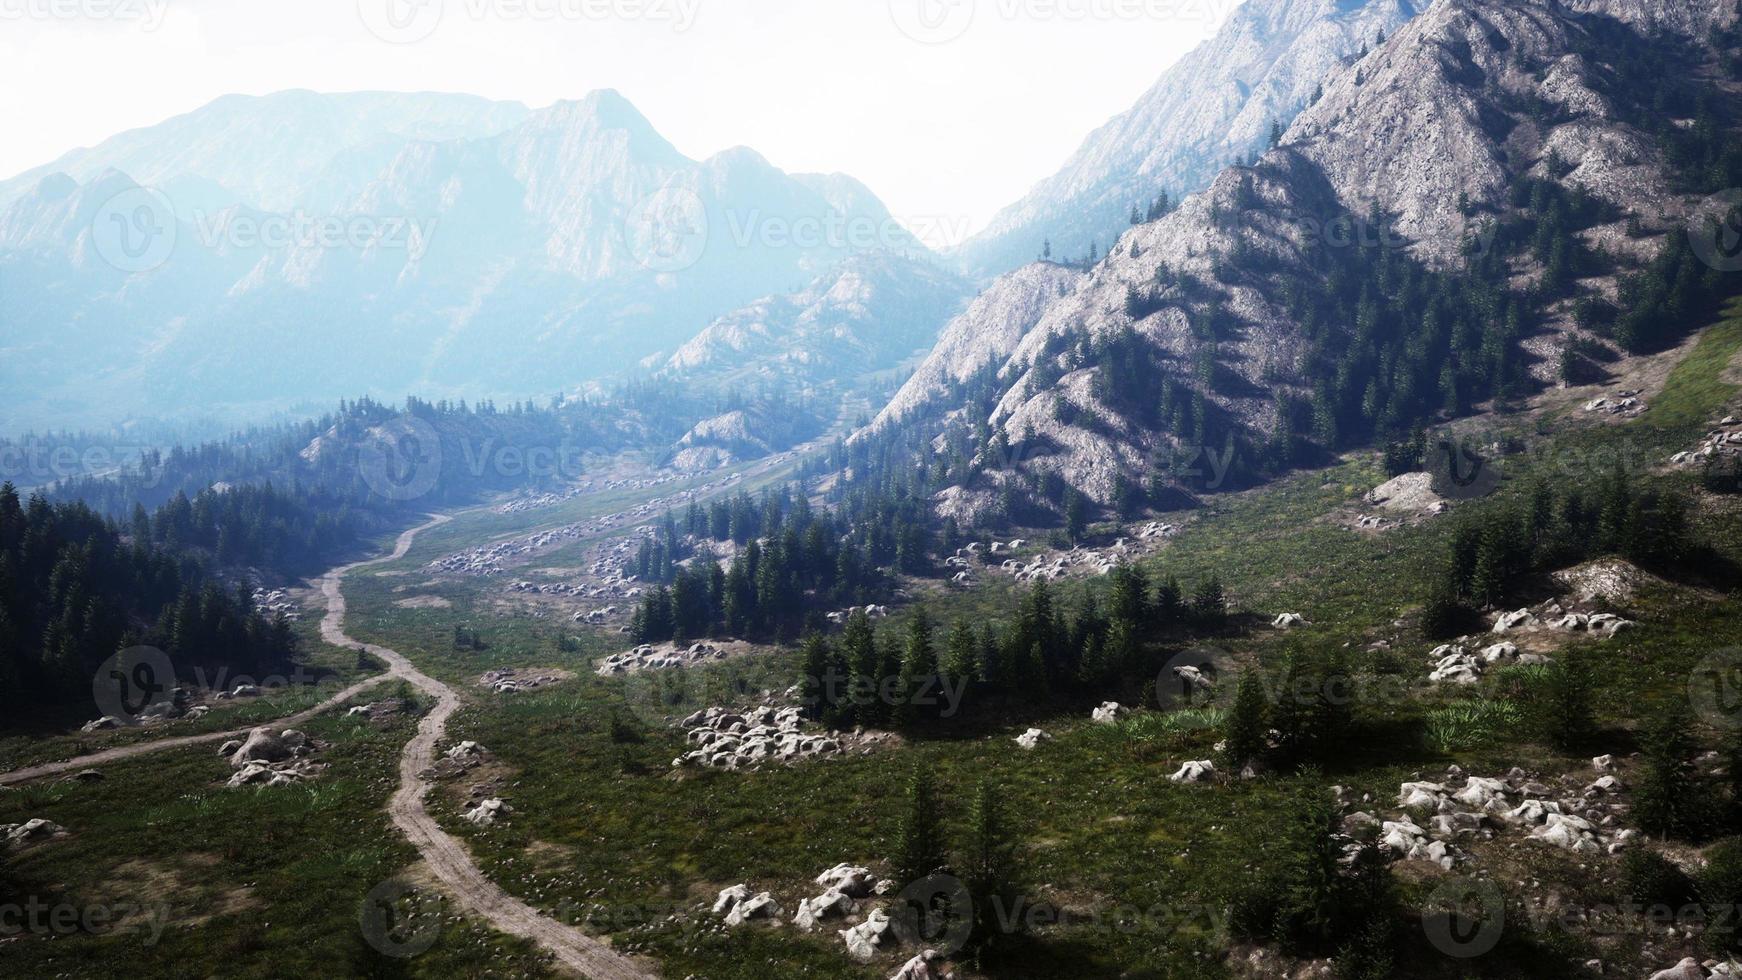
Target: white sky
x: 944, y: 132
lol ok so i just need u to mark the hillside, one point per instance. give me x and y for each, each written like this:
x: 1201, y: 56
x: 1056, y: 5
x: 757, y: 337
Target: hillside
x: 1450, y: 226
x: 1216, y: 104
x: 865, y: 315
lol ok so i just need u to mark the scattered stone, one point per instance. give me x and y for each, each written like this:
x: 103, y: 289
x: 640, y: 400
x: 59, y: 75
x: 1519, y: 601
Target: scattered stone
x: 1109, y: 713
x: 726, y: 740
x: 31, y: 831
x: 488, y: 812
x: 1687, y: 969
x: 1195, y: 772
x: 103, y: 724
x: 759, y: 906
x: 829, y: 905
x: 1288, y: 621
x: 1030, y: 739
x: 864, y: 939
x: 848, y: 880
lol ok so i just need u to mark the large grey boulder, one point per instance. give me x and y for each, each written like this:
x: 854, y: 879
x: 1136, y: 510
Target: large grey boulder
x: 262, y: 746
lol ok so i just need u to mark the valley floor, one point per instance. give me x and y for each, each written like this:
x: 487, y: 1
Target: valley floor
x: 607, y: 860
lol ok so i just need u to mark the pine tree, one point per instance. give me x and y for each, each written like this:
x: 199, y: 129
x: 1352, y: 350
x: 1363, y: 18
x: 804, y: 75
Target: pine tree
x: 1209, y: 602
x: 1245, y: 728
x: 816, y: 656
x: 919, y: 843
x: 991, y: 866
x: 859, y: 643
x: 962, y: 653
x: 1672, y: 800
x: 1570, y: 714
x: 918, y: 662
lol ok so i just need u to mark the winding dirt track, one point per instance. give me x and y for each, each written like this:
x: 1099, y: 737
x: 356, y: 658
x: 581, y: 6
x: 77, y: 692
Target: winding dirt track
x: 447, y: 857
x: 181, y: 741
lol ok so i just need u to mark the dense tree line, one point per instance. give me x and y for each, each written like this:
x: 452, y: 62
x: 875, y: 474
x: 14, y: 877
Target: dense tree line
x: 75, y: 589
x: 792, y: 559
x: 908, y: 677
x: 1495, y: 550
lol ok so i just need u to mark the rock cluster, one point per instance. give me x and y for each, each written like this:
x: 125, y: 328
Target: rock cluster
x: 1289, y: 621
x: 277, y: 602
x: 1692, y: 969
x: 268, y: 759
x: 1455, y: 664
x: 1551, y: 616
x: 846, y: 888
x: 650, y: 657
x: 1582, y: 821
x: 1078, y: 561
x: 511, y: 681
x: 871, y: 612
x: 487, y: 812
x: 1030, y: 739
x: 33, y: 831
x: 1723, y: 442
x: 1625, y: 403
x: 725, y: 740
x: 740, y: 906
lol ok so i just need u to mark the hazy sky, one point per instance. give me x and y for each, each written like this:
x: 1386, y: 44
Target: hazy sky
x: 948, y: 109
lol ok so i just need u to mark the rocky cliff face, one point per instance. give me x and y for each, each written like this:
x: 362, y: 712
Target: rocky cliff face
x: 1217, y: 103
x: 865, y: 315
x: 1426, y: 137
x: 983, y: 336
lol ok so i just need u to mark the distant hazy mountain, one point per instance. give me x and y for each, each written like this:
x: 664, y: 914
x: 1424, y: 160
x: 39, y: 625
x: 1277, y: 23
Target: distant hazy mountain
x: 280, y: 151
x: 493, y: 252
x: 1217, y: 103
x: 868, y: 314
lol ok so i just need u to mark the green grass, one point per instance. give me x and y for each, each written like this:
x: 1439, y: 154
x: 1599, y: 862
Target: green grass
x: 607, y: 833
x: 246, y: 883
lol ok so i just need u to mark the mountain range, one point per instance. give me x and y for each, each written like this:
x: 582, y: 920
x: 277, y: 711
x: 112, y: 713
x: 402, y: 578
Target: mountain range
x: 388, y: 244
x: 1462, y: 214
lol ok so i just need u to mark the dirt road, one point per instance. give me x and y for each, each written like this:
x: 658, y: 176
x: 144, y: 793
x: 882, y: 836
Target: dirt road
x: 448, y: 857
